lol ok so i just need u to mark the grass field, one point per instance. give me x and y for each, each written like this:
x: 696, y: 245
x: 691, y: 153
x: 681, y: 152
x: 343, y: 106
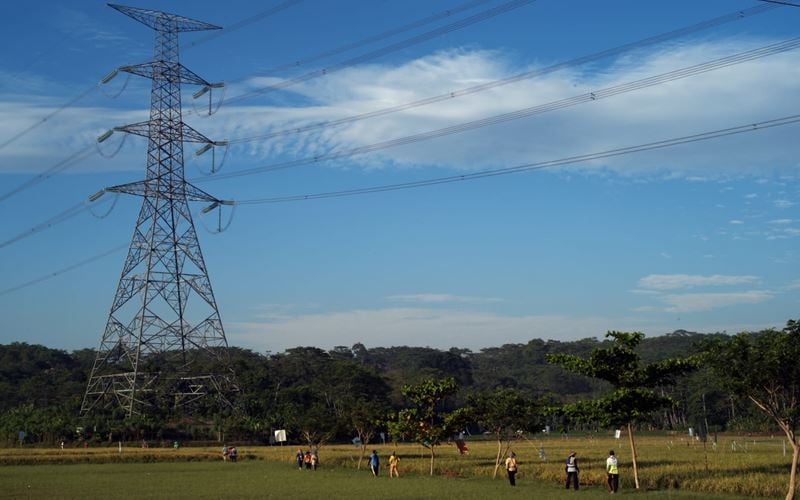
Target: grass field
x: 670, y: 467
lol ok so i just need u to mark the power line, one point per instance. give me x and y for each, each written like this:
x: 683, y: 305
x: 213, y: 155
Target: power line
x: 60, y: 217
x: 781, y: 2
x: 448, y: 28
x: 492, y: 120
x: 372, y: 39
x: 703, y: 136
x: 717, y: 21
x: 244, y: 22
x: 62, y: 165
x: 667, y: 143
x: 63, y: 270
x: 527, y: 112
x: 78, y: 97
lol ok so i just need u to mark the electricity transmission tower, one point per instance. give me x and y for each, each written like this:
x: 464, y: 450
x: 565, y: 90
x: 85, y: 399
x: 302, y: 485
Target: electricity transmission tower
x: 164, y: 345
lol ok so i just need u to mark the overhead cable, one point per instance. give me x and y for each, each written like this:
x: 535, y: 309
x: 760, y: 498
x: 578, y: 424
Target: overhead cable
x: 371, y: 39
x: 63, y: 270
x: 78, y: 97
x: 703, y: 136
x: 717, y: 21
x: 448, y: 28
x: 526, y: 112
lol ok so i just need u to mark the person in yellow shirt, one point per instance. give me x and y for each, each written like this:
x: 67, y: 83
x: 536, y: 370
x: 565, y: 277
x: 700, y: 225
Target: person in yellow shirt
x: 511, y: 468
x: 393, y: 461
x: 613, y: 472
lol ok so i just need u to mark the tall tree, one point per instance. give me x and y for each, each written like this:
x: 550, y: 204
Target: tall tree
x: 427, y: 422
x: 633, y: 393
x: 504, y: 413
x: 764, y: 367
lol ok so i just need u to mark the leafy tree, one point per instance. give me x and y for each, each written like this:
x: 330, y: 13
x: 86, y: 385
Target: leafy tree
x: 367, y: 417
x: 504, y: 413
x: 427, y: 422
x: 633, y: 393
x: 764, y: 367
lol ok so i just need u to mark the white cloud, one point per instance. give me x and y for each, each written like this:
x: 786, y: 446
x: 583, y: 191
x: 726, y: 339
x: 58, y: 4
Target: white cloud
x: 441, y: 328
x: 440, y: 298
x: 783, y: 203
x: 675, y: 109
x: 735, y: 222
x: 697, y: 302
x: 676, y: 281
x: 780, y: 221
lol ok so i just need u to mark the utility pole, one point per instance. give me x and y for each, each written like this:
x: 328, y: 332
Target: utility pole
x: 164, y: 345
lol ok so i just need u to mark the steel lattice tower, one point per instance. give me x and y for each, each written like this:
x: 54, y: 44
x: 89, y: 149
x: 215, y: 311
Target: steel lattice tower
x: 164, y: 344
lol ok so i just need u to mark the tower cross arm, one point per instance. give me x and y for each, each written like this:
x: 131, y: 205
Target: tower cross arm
x: 157, y: 187
x: 171, y: 132
x: 172, y: 72
x: 164, y: 21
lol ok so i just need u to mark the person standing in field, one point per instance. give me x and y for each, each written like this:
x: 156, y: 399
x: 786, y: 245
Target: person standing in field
x: 571, y: 468
x: 314, y: 460
x: 299, y: 458
x: 393, y: 461
x: 374, y: 463
x: 511, y: 468
x: 234, y: 454
x: 307, y: 460
x: 225, y: 453
x: 613, y: 472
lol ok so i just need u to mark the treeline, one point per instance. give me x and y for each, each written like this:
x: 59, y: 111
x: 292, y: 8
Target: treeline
x: 320, y: 395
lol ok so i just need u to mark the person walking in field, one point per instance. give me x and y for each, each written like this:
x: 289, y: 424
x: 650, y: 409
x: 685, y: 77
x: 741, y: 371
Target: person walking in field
x: 374, y: 463
x: 225, y: 452
x: 511, y: 468
x: 613, y: 472
x: 234, y: 454
x: 307, y: 460
x: 314, y: 460
x: 571, y: 468
x: 299, y: 458
x: 393, y: 461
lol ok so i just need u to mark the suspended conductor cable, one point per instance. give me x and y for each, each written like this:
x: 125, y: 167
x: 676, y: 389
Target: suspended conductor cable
x: 373, y: 39
x: 48, y: 116
x: 703, y: 136
x: 527, y: 112
x: 89, y: 90
x: 448, y: 28
x: 62, y: 165
x: 60, y: 217
x: 120, y: 91
x: 244, y: 22
x: 113, y: 153
x: 717, y: 21
x: 63, y: 270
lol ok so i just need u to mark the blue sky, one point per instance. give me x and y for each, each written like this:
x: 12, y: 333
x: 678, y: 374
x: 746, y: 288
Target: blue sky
x: 701, y: 236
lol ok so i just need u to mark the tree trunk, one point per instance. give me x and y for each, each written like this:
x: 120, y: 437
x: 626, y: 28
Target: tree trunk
x: 497, y: 460
x: 633, y: 456
x: 363, y: 452
x: 433, y: 454
x: 790, y: 495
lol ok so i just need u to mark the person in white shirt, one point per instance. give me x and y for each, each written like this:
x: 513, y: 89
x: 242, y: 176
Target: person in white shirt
x: 613, y: 472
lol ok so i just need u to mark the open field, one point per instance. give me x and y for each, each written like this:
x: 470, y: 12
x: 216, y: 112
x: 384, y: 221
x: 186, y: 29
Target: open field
x: 675, y: 466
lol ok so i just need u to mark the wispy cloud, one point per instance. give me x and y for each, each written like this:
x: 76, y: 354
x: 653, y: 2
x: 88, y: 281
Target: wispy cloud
x: 695, y: 104
x: 780, y: 221
x: 697, y: 302
x: 783, y: 203
x: 420, y: 326
x: 677, y: 281
x: 440, y: 298
x: 735, y: 222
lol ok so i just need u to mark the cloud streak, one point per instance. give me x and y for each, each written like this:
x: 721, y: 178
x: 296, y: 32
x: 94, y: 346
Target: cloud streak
x: 662, y: 282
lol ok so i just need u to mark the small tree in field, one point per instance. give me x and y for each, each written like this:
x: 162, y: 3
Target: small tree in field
x: 367, y: 417
x: 427, y: 423
x: 765, y: 367
x: 504, y: 413
x: 633, y: 395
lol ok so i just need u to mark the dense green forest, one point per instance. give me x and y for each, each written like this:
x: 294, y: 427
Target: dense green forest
x: 318, y: 395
